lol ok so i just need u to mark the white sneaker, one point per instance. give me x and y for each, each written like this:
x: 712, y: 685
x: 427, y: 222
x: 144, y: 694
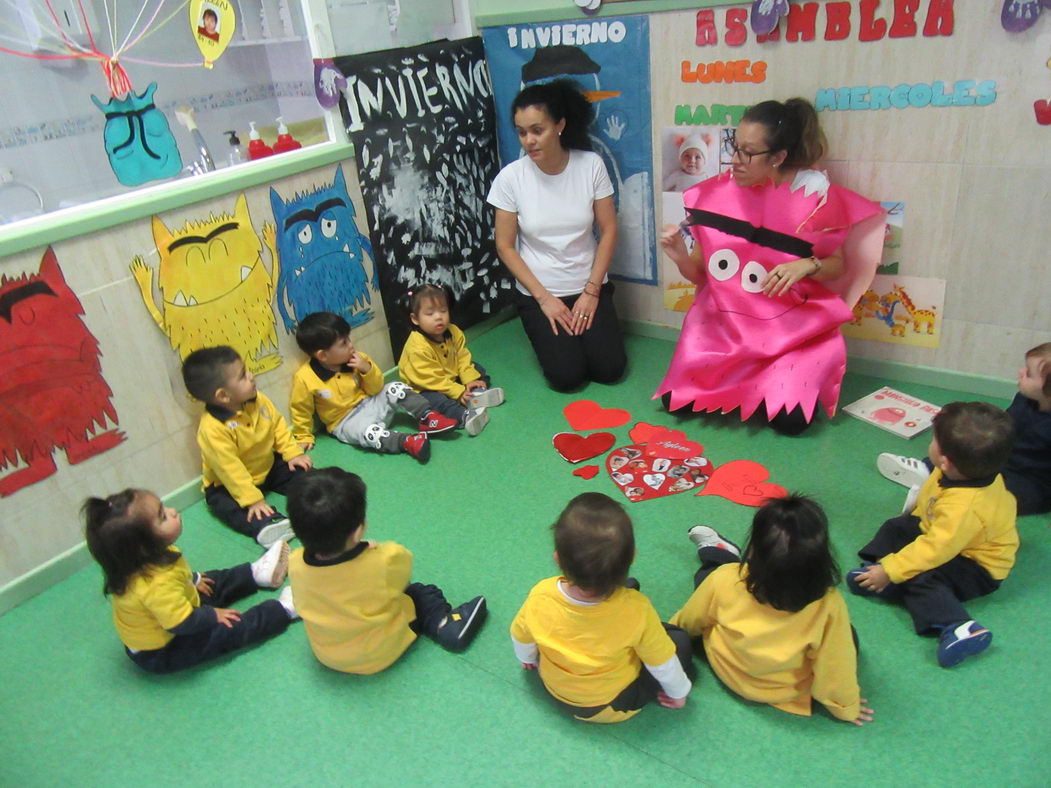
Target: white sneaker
x: 703, y: 536
x: 489, y: 398
x: 285, y: 598
x: 911, y: 497
x: 906, y: 471
x: 476, y: 421
x: 270, y: 570
x: 277, y: 531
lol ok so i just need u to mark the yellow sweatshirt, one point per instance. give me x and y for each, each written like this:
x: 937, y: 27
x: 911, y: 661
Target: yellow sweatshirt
x: 155, y: 602
x: 332, y: 394
x: 975, y: 519
x: 432, y: 366
x: 773, y: 656
x: 237, y: 449
x: 354, y: 607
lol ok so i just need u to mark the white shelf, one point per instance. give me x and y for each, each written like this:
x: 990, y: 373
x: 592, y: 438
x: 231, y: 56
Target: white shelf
x: 255, y: 42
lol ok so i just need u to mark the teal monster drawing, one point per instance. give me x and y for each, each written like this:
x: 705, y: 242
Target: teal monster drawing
x: 321, y: 249
x: 138, y: 140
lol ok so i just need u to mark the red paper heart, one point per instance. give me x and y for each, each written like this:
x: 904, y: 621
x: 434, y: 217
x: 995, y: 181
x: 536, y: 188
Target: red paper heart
x: 586, y: 472
x: 641, y: 477
x: 664, y: 441
x: 577, y: 448
x: 642, y: 431
x: 744, y: 482
x: 584, y: 415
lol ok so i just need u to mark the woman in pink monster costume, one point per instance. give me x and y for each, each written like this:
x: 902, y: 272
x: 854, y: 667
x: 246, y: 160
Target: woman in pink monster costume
x: 781, y: 255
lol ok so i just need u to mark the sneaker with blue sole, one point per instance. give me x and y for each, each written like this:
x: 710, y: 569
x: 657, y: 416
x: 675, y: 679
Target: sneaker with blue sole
x: 962, y: 641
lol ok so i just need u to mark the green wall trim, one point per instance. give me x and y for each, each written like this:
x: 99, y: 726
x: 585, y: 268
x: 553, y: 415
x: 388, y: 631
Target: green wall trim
x: 897, y: 371
x: 102, y: 214
x: 528, y: 11
x: 77, y: 557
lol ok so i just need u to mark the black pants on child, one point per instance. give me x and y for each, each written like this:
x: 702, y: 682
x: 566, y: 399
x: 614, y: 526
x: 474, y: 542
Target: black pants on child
x: 568, y: 362
x: 446, y: 405
x: 431, y: 608
x: 257, y: 623
x: 223, y: 505
x: 933, y: 598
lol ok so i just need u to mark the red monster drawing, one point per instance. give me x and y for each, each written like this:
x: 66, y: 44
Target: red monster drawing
x: 51, y: 393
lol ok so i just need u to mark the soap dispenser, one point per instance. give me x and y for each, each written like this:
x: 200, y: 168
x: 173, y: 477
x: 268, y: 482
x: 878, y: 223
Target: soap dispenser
x: 285, y: 140
x: 236, y: 154
x: 257, y: 149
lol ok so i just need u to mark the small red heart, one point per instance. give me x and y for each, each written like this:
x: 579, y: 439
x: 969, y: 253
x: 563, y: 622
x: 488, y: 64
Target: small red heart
x: 585, y: 414
x: 743, y: 482
x: 642, y: 431
x: 577, y: 448
x: 586, y: 472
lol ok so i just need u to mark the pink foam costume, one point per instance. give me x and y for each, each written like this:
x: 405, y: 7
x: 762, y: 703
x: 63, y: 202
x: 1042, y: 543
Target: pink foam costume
x: 739, y: 348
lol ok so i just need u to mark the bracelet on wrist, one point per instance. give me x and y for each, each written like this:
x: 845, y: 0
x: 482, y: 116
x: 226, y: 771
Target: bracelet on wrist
x: 817, y: 266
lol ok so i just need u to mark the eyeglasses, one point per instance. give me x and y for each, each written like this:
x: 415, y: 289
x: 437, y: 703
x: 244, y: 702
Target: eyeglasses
x: 746, y: 156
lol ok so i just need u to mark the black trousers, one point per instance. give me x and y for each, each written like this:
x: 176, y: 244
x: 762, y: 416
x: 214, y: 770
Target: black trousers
x: 568, y: 362
x: 257, y: 623
x: 431, y: 608
x: 933, y: 598
x: 644, y: 688
x: 223, y: 505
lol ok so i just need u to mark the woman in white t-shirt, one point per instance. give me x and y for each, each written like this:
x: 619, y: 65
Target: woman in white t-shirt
x: 549, y: 205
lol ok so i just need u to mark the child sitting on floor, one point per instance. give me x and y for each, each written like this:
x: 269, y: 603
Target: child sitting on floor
x: 959, y: 542
x: 1027, y: 472
x: 358, y: 603
x: 588, y: 634
x: 775, y: 628
x: 346, y: 390
x: 246, y: 448
x: 168, y: 617
x: 436, y: 362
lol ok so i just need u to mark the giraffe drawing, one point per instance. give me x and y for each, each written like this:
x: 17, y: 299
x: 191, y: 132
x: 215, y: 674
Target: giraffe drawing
x: 918, y: 317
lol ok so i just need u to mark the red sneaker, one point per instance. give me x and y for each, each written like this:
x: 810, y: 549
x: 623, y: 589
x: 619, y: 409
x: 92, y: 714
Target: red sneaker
x: 433, y: 422
x: 418, y: 446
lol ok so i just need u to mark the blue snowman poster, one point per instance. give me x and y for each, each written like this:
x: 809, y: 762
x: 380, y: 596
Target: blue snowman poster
x: 610, y: 60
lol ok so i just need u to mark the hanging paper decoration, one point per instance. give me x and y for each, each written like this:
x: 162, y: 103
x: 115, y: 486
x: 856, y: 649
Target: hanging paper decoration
x: 212, y: 23
x: 323, y: 254
x: 138, y: 140
x: 1019, y: 15
x: 329, y: 82
x: 766, y: 14
x: 215, y: 289
x: 53, y: 395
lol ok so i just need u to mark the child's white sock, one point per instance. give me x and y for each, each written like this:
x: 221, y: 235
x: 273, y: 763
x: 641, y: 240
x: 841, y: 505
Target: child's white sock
x: 285, y: 598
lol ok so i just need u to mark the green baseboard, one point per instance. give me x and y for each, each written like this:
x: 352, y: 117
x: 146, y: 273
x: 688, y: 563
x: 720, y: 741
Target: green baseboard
x: 77, y: 557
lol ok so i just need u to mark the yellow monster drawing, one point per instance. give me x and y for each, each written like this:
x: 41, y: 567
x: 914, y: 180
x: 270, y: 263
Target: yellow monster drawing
x: 214, y: 287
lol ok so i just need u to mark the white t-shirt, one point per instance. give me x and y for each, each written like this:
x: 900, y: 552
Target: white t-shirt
x: 555, y: 217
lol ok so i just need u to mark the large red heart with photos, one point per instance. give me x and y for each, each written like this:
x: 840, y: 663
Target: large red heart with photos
x: 641, y: 477
x: 577, y: 448
x: 744, y: 482
x: 584, y: 415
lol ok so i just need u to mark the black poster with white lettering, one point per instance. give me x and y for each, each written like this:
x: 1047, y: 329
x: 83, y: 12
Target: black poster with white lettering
x: 422, y: 123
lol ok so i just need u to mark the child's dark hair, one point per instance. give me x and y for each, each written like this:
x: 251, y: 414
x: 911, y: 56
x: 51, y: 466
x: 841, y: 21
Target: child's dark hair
x: 1043, y: 352
x: 976, y: 436
x: 203, y: 371
x: 561, y: 99
x: 792, y: 127
x: 123, y: 542
x: 320, y: 331
x: 414, y: 298
x: 325, y: 506
x: 595, y: 543
x: 789, y: 557
x: 209, y: 12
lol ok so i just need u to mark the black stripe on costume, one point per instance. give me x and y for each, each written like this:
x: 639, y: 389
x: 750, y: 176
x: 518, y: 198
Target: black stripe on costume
x: 762, y: 236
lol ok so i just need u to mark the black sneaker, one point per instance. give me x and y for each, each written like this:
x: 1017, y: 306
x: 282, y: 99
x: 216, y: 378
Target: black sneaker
x: 462, y: 624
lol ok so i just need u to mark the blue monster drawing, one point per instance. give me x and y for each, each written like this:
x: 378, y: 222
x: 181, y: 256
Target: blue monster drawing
x: 138, y: 140
x: 320, y: 248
